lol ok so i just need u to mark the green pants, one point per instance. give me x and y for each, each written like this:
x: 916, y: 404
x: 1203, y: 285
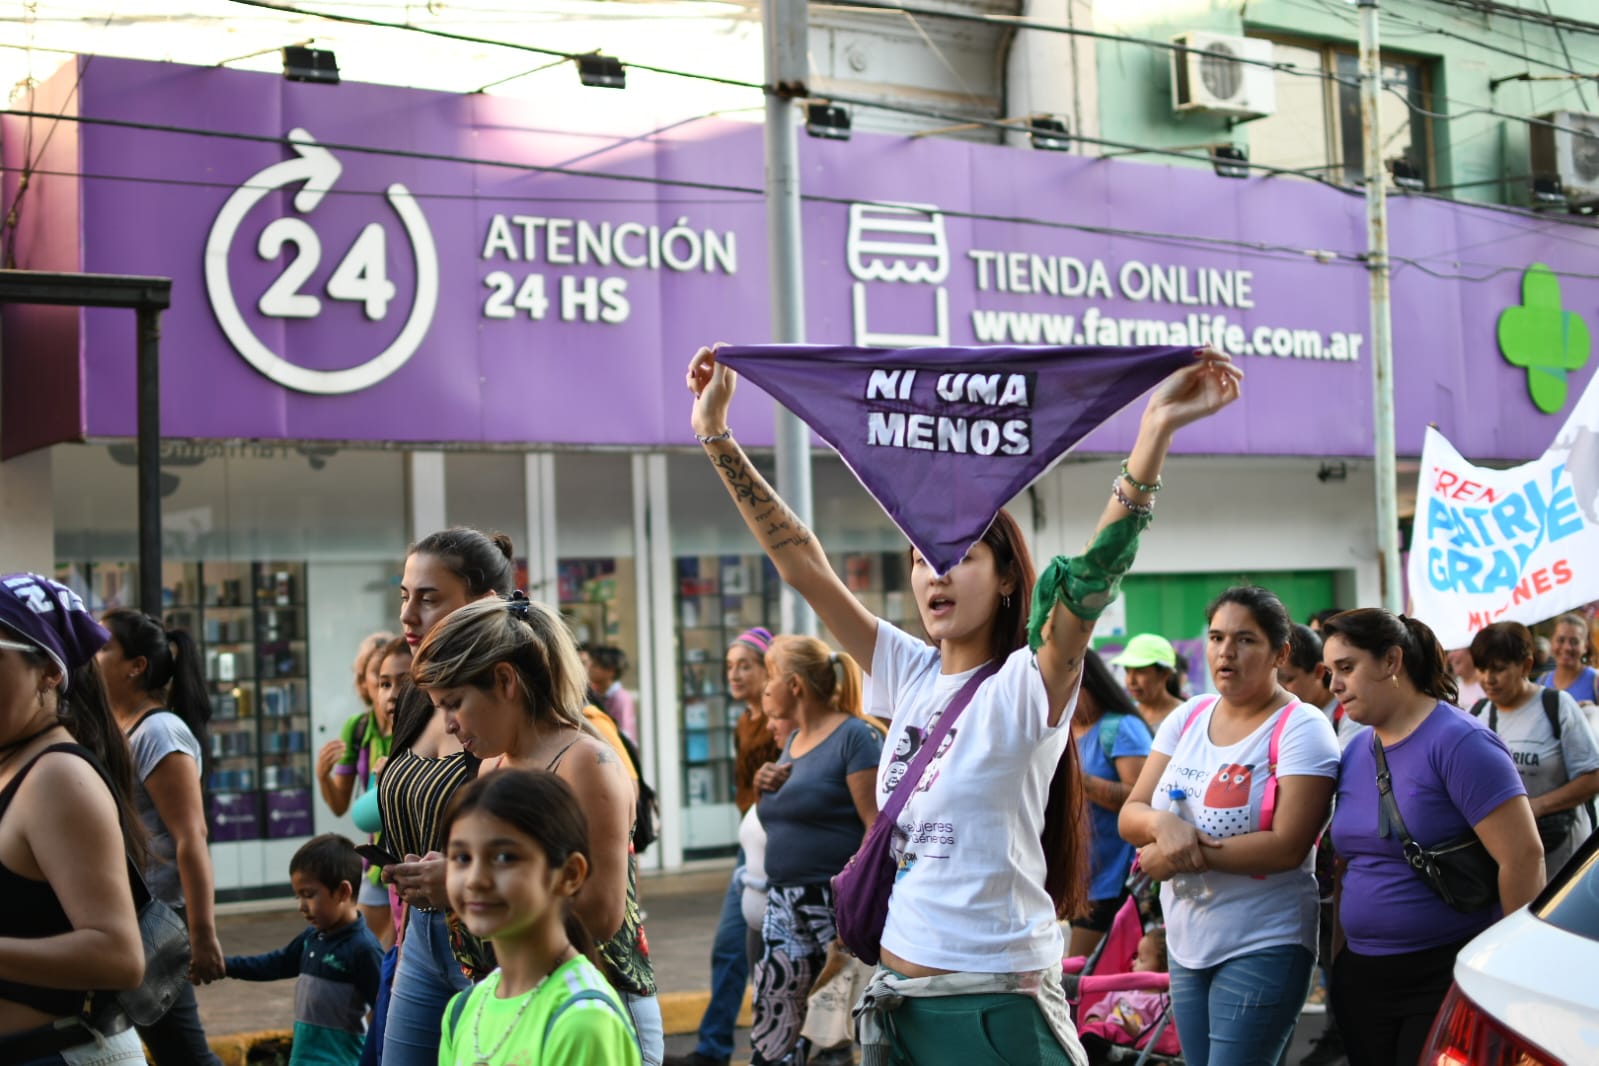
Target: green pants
x: 1002, y: 1029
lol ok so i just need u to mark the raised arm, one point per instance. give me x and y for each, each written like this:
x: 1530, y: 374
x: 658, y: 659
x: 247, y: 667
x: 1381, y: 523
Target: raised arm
x: 793, y: 549
x: 1083, y: 586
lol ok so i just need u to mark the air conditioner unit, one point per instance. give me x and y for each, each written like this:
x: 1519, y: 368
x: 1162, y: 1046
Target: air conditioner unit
x: 1569, y: 154
x: 1206, y: 75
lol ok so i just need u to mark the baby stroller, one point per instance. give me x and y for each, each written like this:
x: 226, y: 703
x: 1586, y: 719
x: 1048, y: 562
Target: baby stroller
x: 1090, y: 980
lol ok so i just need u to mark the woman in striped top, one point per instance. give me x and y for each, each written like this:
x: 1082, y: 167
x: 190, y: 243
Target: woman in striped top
x: 443, y: 573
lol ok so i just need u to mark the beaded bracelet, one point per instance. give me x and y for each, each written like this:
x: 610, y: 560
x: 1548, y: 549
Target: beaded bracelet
x: 726, y: 434
x: 1121, y: 498
x: 1139, y: 485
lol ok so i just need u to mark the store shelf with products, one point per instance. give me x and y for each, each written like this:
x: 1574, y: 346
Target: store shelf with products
x: 249, y: 621
x: 718, y: 597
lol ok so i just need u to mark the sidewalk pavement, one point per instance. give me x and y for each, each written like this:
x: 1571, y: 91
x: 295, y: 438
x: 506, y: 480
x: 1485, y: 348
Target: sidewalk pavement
x: 681, y: 913
x: 682, y: 910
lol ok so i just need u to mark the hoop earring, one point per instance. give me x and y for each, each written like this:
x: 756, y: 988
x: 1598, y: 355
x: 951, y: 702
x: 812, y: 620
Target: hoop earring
x: 1004, y: 601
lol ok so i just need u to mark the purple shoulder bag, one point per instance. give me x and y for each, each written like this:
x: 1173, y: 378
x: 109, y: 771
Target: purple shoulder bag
x: 862, y: 888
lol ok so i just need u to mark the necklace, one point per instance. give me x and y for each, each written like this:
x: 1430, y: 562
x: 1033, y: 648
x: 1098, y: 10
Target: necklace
x: 11, y: 747
x: 484, y: 1058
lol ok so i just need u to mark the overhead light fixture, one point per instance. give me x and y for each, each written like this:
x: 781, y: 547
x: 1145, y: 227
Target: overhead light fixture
x: 1229, y: 161
x: 601, y: 72
x: 826, y: 120
x: 1049, y: 134
x: 1547, y: 191
x: 301, y: 63
x: 1406, y: 176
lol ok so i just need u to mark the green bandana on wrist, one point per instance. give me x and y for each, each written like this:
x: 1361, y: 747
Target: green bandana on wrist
x: 1086, y: 583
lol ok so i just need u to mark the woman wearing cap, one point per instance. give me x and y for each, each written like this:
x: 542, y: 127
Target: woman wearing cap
x: 971, y: 947
x: 158, y: 694
x: 753, y: 747
x: 68, y: 925
x: 1150, y: 665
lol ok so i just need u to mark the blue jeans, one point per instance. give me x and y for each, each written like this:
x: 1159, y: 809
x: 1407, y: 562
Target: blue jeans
x: 1241, y: 1012
x: 372, y: 1048
x: 424, y: 980
x: 178, y: 1039
x: 646, y: 1014
x: 730, y: 972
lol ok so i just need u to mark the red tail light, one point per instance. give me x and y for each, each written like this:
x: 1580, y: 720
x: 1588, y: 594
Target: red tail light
x: 1464, y: 1035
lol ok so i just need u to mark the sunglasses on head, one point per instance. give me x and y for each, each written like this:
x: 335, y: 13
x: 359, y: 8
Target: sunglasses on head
x: 17, y: 645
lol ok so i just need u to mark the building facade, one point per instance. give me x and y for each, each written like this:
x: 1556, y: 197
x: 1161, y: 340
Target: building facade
x: 398, y: 310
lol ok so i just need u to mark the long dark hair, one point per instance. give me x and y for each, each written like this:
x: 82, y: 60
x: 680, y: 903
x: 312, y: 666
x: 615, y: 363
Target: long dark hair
x: 172, y: 670
x: 542, y: 807
x: 85, y: 711
x: 484, y: 563
x: 1374, y: 630
x: 1065, y: 835
x: 1100, y: 683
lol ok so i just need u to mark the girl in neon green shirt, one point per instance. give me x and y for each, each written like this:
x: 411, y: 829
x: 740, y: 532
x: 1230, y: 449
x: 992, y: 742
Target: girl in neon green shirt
x: 517, y: 852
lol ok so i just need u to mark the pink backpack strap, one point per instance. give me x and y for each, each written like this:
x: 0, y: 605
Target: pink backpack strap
x: 1199, y: 709
x: 1268, y: 801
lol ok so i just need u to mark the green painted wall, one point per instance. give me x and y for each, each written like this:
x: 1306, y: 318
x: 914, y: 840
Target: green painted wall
x: 1459, y: 46
x: 1173, y: 605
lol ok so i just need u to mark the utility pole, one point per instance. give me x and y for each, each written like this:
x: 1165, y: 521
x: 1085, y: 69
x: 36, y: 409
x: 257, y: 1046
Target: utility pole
x: 786, y: 32
x: 1382, y: 350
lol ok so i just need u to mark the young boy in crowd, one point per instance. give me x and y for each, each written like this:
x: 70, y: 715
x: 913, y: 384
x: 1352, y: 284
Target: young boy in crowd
x: 336, y: 958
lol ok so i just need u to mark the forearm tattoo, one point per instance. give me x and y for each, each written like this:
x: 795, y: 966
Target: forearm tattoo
x: 777, y: 525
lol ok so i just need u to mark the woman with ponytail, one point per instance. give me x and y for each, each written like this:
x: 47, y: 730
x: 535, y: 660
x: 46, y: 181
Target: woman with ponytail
x: 507, y: 677
x: 157, y: 690
x: 1451, y: 777
x: 816, y: 803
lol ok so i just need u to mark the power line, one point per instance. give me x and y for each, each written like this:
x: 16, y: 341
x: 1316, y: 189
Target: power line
x: 1187, y: 240
x: 961, y: 16
x: 465, y: 38
x: 1551, y: 20
x: 1254, y: 249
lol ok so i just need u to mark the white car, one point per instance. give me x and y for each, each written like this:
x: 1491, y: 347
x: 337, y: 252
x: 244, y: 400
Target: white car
x: 1526, y: 992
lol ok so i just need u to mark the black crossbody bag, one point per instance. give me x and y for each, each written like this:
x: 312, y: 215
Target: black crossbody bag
x: 1460, y: 871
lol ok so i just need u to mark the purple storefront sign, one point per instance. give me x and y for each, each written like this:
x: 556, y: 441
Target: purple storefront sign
x: 288, y: 814
x: 234, y: 817
x: 325, y: 293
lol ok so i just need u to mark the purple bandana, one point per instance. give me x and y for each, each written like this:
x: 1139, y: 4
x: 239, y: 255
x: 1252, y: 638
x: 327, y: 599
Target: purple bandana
x: 943, y: 437
x: 51, y: 616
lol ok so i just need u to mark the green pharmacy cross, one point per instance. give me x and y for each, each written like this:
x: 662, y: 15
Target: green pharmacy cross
x: 1543, y: 338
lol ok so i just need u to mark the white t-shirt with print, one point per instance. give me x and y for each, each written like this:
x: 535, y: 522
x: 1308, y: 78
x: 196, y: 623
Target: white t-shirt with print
x: 969, y: 894
x: 1219, y: 789
x: 1546, y: 763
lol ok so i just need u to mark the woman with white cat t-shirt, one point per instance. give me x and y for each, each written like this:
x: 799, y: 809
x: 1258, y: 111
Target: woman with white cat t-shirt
x: 1226, y: 813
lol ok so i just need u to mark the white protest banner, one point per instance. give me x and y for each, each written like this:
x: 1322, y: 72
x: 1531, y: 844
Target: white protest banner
x: 1516, y: 545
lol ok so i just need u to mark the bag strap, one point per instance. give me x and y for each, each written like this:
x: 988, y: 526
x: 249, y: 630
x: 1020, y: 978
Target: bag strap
x: 1109, y: 726
x: 1551, y: 709
x: 588, y: 994
x: 1268, y: 800
x: 457, y: 1008
x: 1390, y: 820
x: 1193, y: 715
x: 924, y: 755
